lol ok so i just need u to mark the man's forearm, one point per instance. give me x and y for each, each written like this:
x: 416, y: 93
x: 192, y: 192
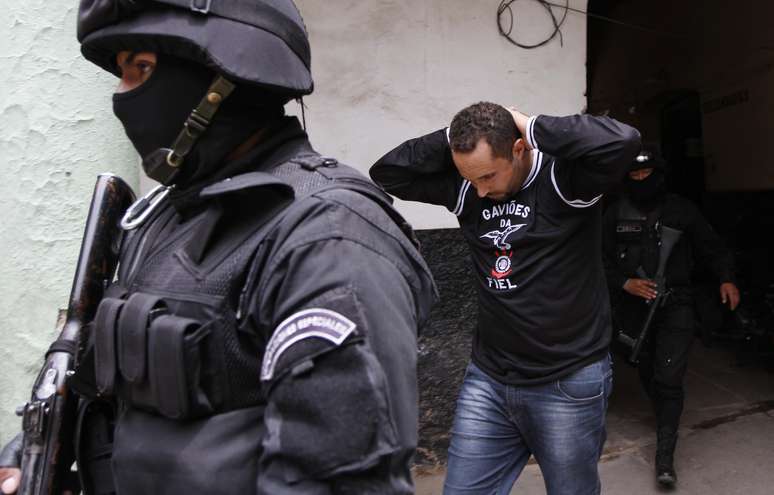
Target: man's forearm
x: 420, y: 169
x: 426, y: 154
x: 586, y: 139
x: 592, y: 153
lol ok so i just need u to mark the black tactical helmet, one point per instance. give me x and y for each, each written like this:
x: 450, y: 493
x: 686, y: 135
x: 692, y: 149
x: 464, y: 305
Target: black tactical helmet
x: 647, y: 158
x: 258, y: 43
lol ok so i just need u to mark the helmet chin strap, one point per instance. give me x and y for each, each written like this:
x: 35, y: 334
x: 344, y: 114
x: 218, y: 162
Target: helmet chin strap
x: 164, y: 164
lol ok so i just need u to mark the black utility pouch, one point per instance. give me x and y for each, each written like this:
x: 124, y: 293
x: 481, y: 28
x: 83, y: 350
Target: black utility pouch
x: 105, y: 357
x: 133, y: 335
x: 132, y: 347
x: 175, y: 366
x: 159, y: 357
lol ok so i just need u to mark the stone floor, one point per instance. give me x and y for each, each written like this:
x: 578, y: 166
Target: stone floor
x: 726, y: 440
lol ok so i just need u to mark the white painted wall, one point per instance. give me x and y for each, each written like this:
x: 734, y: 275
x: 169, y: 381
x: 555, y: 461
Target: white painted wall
x: 389, y: 70
x: 385, y: 71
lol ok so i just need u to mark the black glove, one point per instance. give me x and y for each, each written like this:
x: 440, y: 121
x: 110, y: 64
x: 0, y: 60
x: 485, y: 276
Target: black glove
x: 10, y: 457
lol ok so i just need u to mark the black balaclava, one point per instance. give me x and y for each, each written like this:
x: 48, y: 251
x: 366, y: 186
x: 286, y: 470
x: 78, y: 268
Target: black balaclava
x: 153, y: 115
x: 646, y: 192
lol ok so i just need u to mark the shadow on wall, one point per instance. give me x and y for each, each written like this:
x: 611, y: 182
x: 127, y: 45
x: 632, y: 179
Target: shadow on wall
x: 445, y: 342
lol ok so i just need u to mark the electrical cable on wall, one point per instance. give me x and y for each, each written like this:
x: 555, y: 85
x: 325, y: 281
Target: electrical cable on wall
x: 505, y: 7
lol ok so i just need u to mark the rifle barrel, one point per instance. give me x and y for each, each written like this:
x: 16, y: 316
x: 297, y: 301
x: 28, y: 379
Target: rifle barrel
x: 48, y: 419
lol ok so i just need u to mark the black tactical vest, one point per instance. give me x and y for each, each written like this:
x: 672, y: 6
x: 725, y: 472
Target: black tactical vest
x: 637, y: 238
x: 169, y: 336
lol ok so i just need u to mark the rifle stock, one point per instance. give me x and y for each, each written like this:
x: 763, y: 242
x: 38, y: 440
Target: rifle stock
x: 48, y: 418
x: 669, y: 237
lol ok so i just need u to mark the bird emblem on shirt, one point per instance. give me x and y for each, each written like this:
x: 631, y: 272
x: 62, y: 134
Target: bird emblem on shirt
x: 499, y: 237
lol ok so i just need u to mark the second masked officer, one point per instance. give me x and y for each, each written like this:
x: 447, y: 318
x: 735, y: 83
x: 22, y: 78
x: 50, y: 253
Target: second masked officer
x: 631, y: 240
x: 261, y: 335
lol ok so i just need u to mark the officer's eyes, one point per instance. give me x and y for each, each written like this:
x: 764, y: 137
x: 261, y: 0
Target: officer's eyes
x: 144, y: 67
x: 132, y: 64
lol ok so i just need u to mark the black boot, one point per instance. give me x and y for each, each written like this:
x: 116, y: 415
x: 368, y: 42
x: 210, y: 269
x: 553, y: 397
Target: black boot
x: 665, y: 450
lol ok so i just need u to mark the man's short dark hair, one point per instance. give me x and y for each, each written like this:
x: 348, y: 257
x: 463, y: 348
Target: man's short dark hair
x: 484, y: 120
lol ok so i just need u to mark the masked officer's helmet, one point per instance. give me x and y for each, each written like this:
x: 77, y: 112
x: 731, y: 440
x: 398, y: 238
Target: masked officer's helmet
x: 647, y: 158
x: 258, y: 43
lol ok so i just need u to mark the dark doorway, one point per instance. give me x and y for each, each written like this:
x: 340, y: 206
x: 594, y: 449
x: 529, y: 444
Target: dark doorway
x: 667, y: 69
x: 681, y: 145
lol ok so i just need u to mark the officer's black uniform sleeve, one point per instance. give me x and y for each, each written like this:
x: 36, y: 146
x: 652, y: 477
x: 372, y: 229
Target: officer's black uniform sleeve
x: 420, y: 169
x: 615, y: 276
x: 708, y: 247
x: 592, y: 154
x: 339, y: 369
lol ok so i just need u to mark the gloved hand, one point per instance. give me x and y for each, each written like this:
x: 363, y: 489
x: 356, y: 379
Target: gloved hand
x: 10, y: 461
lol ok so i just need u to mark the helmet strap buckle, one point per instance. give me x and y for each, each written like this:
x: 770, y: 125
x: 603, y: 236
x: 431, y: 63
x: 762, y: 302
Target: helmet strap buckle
x: 201, y: 6
x: 163, y: 164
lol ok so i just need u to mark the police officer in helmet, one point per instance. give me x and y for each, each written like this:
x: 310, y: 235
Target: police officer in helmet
x: 260, y: 336
x: 631, y: 241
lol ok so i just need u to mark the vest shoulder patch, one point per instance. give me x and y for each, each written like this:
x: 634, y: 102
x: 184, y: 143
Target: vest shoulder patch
x: 308, y: 323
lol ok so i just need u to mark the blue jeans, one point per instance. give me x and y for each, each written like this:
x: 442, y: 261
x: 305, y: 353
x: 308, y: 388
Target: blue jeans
x: 497, y: 427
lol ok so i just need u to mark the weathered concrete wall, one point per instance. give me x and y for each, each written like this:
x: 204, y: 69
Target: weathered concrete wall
x: 57, y: 133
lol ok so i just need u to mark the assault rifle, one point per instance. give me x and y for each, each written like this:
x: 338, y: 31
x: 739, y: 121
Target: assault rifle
x: 48, y: 419
x: 669, y: 238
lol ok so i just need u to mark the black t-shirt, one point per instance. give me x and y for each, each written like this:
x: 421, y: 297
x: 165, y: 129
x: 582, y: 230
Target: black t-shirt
x: 543, y: 305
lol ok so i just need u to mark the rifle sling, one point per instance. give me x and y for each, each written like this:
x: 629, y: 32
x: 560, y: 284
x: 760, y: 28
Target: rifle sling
x: 62, y: 345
